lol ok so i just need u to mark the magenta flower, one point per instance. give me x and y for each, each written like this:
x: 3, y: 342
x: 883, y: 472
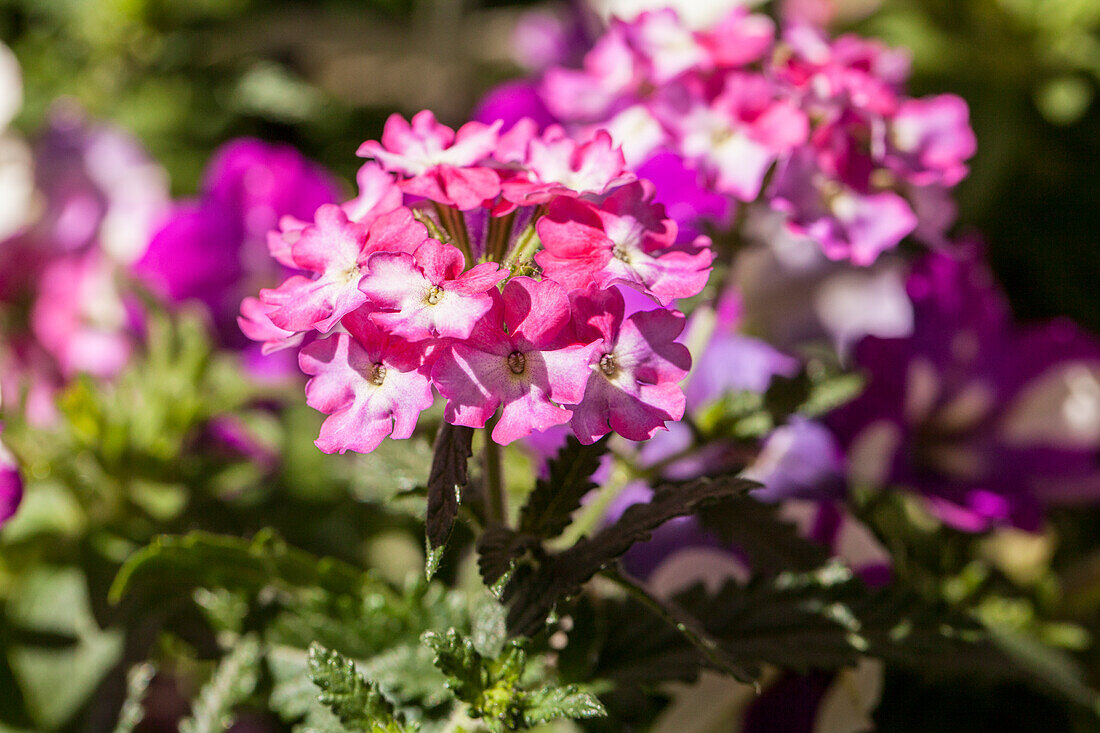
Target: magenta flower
x: 522, y: 355
x: 627, y: 239
x: 439, y: 164
x: 428, y: 294
x: 369, y: 383
x: 337, y: 250
x: 211, y: 249
x: 11, y: 484
x: 636, y: 368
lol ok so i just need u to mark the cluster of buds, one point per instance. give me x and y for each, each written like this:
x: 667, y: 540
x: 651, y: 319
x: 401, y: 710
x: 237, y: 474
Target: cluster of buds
x: 490, y: 266
x: 816, y: 131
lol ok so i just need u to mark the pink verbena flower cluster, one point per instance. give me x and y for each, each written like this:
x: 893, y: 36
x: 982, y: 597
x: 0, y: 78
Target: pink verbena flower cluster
x: 818, y: 131
x: 485, y: 266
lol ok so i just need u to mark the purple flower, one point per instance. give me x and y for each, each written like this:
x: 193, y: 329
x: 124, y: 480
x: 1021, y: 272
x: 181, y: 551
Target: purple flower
x: 212, y: 249
x: 99, y: 186
x: 511, y: 102
x: 987, y: 419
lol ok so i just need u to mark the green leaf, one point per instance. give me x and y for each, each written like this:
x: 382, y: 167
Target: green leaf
x: 547, y: 511
x: 536, y: 586
x: 448, y: 475
x: 233, y: 682
x: 172, y: 566
x: 52, y: 604
x: 464, y: 667
x: 357, y: 703
x: 294, y: 696
x: 552, y: 703
x: 490, y: 629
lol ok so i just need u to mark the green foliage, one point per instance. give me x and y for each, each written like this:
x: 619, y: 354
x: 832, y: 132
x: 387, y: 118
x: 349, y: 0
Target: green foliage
x: 493, y: 688
x: 358, y: 704
x: 233, y: 682
x: 174, y: 566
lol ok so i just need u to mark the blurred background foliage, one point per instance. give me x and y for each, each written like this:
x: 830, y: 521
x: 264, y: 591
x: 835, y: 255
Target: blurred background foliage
x: 186, y: 75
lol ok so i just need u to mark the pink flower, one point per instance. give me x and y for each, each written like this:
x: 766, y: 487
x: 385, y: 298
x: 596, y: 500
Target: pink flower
x: 931, y: 139
x: 557, y: 165
x: 378, y: 194
x: 739, y: 135
x: 522, y: 356
x: 369, y: 383
x: 739, y: 38
x: 256, y: 325
x: 669, y: 48
x: 636, y: 368
x: 79, y: 316
x: 627, y: 240
x: 439, y: 164
x: 427, y: 294
x: 611, y: 70
x: 337, y: 250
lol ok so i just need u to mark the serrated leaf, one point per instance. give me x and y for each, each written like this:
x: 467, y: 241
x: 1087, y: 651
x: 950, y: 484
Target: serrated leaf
x: 460, y: 662
x: 553, y: 703
x: 233, y: 681
x: 535, y: 587
x: 358, y: 704
x: 498, y: 547
x: 553, y: 500
x: 448, y: 475
x: 772, y: 544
